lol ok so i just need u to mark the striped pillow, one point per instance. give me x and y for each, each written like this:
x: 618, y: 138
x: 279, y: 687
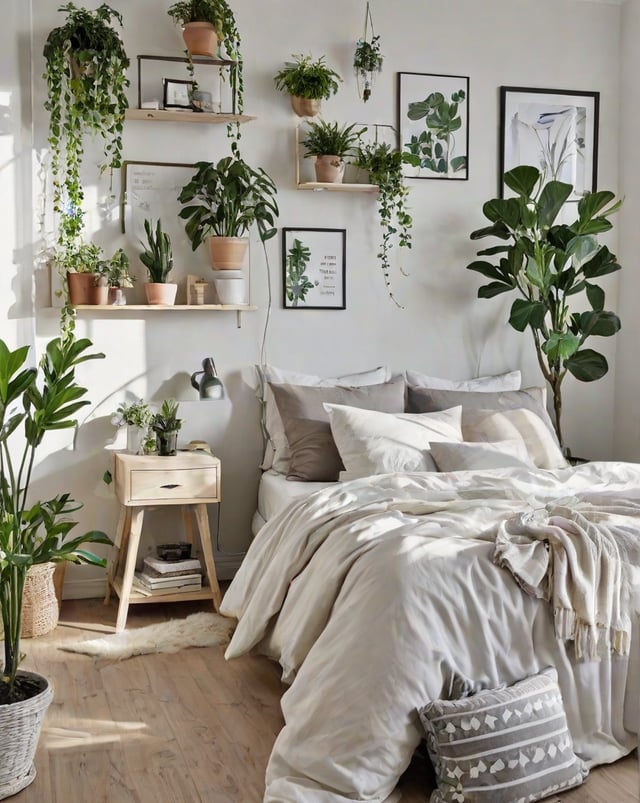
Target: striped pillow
x: 509, y: 745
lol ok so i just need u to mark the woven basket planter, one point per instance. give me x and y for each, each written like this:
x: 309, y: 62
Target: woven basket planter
x: 39, y: 602
x: 20, y: 725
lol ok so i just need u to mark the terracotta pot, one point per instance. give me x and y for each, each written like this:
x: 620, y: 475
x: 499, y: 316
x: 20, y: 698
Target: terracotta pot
x: 158, y: 293
x: 305, y: 107
x: 227, y: 253
x: 80, y: 286
x: 330, y: 169
x: 99, y: 294
x: 201, y: 38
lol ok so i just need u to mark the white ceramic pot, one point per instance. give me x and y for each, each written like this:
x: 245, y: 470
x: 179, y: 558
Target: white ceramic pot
x: 231, y: 290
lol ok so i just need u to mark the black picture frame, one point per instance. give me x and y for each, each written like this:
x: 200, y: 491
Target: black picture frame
x: 534, y: 121
x: 176, y: 93
x: 440, y: 149
x: 314, y: 268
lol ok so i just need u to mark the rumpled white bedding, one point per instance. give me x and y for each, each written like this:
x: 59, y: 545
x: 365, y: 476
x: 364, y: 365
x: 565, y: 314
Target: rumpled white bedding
x: 381, y: 594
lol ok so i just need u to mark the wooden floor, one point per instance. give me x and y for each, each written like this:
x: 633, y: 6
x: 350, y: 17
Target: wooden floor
x: 183, y: 728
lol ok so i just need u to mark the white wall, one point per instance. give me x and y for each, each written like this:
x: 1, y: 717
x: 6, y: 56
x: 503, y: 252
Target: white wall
x: 443, y: 329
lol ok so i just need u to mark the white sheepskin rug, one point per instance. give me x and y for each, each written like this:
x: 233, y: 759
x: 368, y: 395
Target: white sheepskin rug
x: 197, y: 630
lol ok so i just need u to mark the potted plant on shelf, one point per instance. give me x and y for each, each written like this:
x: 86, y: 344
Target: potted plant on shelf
x: 166, y: 424
x: 308, y: 82
x: 206, y: 24
x: 547, y: 263
x: 158, y: 260
x: 79, y: 264
x: 117, y: 271
x: 384, y: 166
x: 330, y: 143
x: 86, y: 74
x: 33, y: 401
x: 222, y: 201
x: 137, y: 417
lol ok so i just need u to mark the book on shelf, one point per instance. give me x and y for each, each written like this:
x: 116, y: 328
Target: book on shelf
x: 182, y: 587
x: 172, y: 567
x: 161, y: 582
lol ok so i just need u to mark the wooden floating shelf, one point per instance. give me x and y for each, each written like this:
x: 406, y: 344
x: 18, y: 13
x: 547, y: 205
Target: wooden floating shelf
x: 165, y: 307
x: 319, y: 186
x: 168, y: 116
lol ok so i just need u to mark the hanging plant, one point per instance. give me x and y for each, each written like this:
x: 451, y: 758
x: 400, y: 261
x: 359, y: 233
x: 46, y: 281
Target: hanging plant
x: 86, y: 79
x: 367, y: 60
x: 384, y: 165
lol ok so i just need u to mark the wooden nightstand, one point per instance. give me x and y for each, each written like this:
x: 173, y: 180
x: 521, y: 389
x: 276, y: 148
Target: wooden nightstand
x: 189, y: 479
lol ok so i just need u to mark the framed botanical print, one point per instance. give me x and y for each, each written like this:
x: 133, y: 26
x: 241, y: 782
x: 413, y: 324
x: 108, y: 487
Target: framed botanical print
x: 313, y: 268
x: 555, y: 130
x: 433, y: 124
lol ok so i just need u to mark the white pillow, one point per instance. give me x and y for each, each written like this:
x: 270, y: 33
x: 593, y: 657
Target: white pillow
x: 499, y: 425
x: 276, y: 454
x: 370, y: 442
x: 469, y: 456
x: 512, y: 380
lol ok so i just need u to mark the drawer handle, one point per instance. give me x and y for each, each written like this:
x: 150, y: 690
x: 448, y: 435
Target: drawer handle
x: 171, y: 485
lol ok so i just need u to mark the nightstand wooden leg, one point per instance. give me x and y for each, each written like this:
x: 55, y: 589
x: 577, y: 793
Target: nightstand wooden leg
x: 187, y: 523
x: 202, y: 519
x: 129, y: 567
x: 124, y: 522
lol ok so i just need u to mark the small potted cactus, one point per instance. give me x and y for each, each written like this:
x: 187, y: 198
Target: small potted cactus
x: 158, y: 260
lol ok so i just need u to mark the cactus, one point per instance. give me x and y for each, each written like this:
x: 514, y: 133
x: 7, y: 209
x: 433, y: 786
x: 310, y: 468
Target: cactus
x: 157, y: 257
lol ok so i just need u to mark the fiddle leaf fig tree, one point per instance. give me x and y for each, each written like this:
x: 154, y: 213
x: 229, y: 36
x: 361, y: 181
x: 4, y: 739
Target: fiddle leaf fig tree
x: 547, y: 263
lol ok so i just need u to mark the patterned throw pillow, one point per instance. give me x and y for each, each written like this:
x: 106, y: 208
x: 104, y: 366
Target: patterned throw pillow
x: 508, y: 745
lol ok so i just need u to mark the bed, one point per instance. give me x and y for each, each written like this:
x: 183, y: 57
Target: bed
x: 382, y: 595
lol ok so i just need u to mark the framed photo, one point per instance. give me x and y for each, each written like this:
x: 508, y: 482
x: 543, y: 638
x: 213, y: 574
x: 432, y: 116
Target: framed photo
x: 433, y: 124
x: 555, y: 130
x: 313, y: 268
x: 176, y: 94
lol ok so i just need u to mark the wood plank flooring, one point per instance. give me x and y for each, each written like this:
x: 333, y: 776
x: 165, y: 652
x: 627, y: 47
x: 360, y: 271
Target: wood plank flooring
x: 183, y: 728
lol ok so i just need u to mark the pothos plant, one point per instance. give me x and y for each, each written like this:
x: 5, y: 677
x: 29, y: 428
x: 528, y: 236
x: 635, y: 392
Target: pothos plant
x: 384, y: 165
x: 367, y: 59
x: 434, y: 148
x: 297, y: 283
x: 547, y: 263
x: 86, y: 75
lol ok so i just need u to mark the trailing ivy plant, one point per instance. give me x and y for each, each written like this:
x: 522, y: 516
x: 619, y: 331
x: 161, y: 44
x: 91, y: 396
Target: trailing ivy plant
x: 546, y: 264
x: 86, y: 79
x: 434, y: 148
x: 384, y: 165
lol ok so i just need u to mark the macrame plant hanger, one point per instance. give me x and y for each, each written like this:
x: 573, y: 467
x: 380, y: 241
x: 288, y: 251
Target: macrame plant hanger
x: 367, y: 60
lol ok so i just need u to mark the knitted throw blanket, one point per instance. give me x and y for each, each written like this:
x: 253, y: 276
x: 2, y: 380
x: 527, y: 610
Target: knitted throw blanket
x: 583, y: 559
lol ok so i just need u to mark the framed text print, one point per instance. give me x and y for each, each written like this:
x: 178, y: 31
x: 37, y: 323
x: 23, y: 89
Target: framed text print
x: 313, y: 268
x: 433, y: 124
x: 555, y: 130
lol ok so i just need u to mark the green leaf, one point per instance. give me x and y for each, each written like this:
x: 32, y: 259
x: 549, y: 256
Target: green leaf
x: 601, y: 264
x: 587, y: 365
x: 561, y: 346
x: 488, y: 270
x: 536, y: 274
x: 552, y: 199
x: 493, y: 289
x: 582, y: 246
x: 503, y: 211
x: 522, y: 180
x: 497, y: 230
x: 593, y: 202
x: 596, y: 296
x: 527, y: 313
x: 600, y: 323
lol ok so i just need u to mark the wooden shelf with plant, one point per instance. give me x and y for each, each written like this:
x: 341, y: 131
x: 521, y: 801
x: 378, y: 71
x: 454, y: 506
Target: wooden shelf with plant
x: 331, y: 186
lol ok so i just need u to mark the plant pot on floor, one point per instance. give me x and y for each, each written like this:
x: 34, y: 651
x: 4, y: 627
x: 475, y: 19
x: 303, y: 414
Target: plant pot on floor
x: 200, y: 38
x: 329, y: 169
x: 227, y: 253
x: 161, y: 293
x: 80, y: 287
x: 20, y: 725
x: 40, y: 611
x: 305, y: 107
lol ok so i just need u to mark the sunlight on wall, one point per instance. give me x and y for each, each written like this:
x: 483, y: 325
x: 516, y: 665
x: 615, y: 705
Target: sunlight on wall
x: 8, y: 206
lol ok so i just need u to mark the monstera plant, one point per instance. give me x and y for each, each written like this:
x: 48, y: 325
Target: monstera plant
x: 547, y: 264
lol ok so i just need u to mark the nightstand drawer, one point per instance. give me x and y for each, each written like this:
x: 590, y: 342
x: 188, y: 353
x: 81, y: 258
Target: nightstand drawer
x: 174, y: 484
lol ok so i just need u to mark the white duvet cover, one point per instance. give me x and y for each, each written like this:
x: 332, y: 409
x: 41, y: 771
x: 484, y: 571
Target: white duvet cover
x: 379, y: 595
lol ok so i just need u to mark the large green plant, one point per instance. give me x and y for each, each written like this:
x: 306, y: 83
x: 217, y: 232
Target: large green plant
x: 226, y: 199
x: 384, y: 165
x: 434, y: 148
x: 85, y: 71
x: 546, y: 264
x: 331, y: 139
x: 305, y: 77
x: 34, y: 532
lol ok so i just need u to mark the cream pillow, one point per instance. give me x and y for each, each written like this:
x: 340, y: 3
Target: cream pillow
x: 468, y: 456
x: 371, y: 442
x: 512, y: 380
x: 500, y: 425
x: 276, y: 448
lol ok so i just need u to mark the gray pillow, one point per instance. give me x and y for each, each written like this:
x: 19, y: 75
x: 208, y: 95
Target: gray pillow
x: 313, y: 452
x: 502, y: 745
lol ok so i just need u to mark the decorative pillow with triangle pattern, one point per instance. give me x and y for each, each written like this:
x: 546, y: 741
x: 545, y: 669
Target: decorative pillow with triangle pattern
x: 509, y: 745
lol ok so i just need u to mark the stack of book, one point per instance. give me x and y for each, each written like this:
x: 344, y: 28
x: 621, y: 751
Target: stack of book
x: 161, y: 577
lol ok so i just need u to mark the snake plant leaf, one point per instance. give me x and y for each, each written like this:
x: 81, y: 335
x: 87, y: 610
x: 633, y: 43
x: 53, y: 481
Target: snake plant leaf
x: 527, y: 313
x: 522, y: 180
x: 587, y: 365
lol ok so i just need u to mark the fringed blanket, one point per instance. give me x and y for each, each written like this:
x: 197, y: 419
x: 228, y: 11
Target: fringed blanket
x: 586, y: 562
